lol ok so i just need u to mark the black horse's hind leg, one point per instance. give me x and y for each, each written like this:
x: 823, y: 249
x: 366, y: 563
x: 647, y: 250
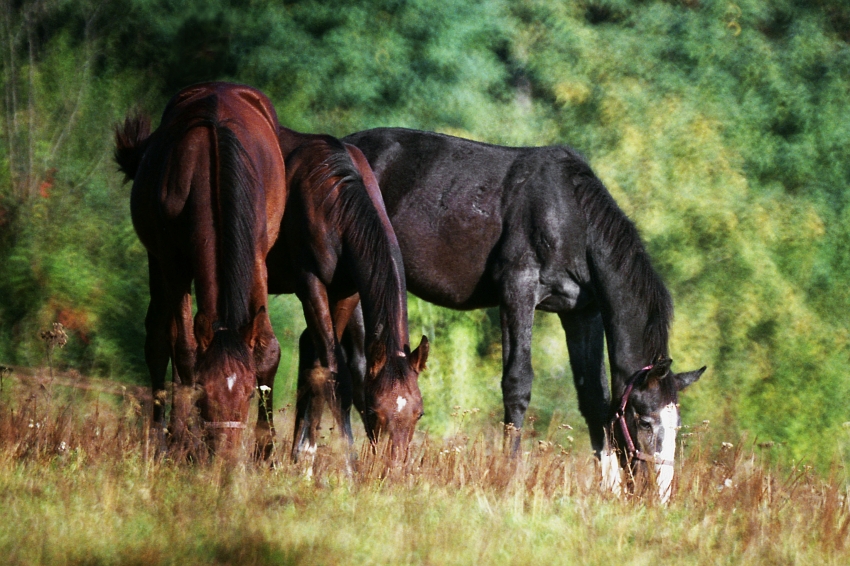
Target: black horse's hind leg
x: 517, y: 317
x: 585, y: 342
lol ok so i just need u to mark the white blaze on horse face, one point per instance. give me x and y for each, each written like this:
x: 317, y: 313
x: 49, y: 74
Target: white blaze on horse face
x: 231, y: 381
x: 400, y: 403
x: 612, y: 479
x: 664, y: 472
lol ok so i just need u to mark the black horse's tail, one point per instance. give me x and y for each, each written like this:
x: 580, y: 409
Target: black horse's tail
x: 131, y: 140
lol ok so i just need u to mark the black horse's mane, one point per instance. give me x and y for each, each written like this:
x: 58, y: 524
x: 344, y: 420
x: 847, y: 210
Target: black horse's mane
x: 328, y: 168
x: 234, y: 191
x: 611, y: 229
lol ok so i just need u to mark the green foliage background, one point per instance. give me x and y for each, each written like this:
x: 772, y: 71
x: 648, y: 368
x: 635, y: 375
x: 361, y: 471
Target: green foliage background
x: 721, y: 128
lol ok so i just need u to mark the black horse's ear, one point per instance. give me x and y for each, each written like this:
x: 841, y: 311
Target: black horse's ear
x: 659, y: 370
x: 685, y: 379
x: 420, y: 355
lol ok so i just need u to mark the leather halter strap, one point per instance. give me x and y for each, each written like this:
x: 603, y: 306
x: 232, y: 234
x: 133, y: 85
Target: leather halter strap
x: 225, y: 424
x: 620, y: 417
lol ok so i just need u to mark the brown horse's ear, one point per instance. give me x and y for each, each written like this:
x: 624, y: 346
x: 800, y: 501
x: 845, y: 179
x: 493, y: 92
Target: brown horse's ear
x: 420, y: 355
x: 377, y: 358
x: 203, y: 331
x: 253, y: 331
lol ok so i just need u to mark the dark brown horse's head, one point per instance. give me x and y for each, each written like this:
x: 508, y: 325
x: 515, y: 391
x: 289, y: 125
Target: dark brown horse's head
x: 650, y: 419
x: 393, y: 403
x: 226, y: 376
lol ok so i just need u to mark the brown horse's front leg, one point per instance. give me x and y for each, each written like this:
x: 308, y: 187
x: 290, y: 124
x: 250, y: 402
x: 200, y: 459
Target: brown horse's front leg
x: 316, y: 365
x: 266, y: 358
x: 344, y: 311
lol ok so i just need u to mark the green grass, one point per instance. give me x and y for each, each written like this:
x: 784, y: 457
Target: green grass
x: 99, y: 498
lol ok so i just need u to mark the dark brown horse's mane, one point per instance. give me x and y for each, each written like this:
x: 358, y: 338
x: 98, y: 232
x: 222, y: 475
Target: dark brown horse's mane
x: 609, y: 228
x: 367, y: 251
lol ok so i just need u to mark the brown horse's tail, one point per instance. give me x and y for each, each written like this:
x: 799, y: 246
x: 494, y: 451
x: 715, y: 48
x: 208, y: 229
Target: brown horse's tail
x: 131, y: 139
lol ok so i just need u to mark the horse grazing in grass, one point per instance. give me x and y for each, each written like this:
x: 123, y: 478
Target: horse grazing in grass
x: 337, y: 247
x: 533, y: 228
x: 208, y: 196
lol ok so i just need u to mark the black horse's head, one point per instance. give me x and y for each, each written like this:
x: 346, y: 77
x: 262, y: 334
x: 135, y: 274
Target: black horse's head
x: 646, y: 420
x: 393, y: 402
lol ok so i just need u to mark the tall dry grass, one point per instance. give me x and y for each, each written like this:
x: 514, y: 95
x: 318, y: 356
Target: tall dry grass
x: 80, y: 484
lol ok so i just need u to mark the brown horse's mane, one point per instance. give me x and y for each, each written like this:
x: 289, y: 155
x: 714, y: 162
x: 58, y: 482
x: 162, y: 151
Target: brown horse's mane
x: 610, y: 229
x: 327, y: 169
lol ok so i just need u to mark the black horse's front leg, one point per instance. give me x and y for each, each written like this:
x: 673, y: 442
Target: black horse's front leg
x: 586, y: 345
x: 517, y: 317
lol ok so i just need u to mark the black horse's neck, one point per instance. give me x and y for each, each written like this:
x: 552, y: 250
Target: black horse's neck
x: 636, y: 306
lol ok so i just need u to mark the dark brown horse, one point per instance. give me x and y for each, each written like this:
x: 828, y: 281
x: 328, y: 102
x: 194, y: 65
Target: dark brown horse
x: 208, y: 196
x: 337, y: 247
x: 533, y: 228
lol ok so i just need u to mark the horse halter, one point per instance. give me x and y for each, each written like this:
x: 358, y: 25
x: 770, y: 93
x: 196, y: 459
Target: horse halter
x: 620, y: 417
x: 225, y: 424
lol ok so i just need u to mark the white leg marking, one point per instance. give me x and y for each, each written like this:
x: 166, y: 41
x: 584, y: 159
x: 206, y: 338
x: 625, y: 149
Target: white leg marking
x: 400, y: 403
x: 310, y: 452
x: 664, y: 472
x: 612, y: 478
x: 231, y: 380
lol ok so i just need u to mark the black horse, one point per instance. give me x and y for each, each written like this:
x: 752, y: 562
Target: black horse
x: 533, y: 228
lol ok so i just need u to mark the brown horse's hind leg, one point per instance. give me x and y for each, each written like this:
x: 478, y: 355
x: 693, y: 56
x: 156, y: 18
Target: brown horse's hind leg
x: 164, y: 340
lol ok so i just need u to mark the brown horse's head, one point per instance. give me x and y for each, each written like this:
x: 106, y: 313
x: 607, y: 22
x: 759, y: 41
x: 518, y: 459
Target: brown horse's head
x: 226, y: 375
x: 393, y: 403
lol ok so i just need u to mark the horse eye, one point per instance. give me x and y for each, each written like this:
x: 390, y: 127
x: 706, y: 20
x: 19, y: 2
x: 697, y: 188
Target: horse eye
x: 645, y: 423
x: 422, y: 414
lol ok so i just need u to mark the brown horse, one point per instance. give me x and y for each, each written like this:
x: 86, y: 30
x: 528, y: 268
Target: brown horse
x: 207, y: 201
x: 337, y: 246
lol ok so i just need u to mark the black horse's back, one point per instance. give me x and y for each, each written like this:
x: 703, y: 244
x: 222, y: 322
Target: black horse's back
x: 466, y: 211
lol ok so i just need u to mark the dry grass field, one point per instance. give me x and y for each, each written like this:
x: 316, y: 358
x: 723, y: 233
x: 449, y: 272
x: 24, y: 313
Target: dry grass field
x: 79, y: 485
